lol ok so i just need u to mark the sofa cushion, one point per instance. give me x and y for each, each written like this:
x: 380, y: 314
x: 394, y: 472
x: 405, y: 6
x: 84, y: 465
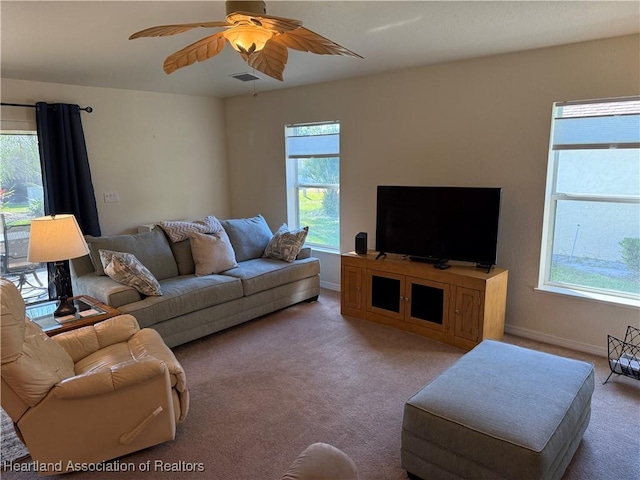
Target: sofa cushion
x: 184, y: 258
x: 264, y: 273
x: 286, y: 244
x: 249, y: 236
x: 212, y: 253
x: 151, y: 248
x: 183, y: 295
x: 125, y: 268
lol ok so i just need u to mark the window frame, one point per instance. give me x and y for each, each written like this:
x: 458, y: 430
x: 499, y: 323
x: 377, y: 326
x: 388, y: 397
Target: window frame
x: 553, y: 197
x: 294, y: 187
x: 27, y: 128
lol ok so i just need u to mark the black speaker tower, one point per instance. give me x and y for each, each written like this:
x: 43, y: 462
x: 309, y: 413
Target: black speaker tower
x: 361, y: 243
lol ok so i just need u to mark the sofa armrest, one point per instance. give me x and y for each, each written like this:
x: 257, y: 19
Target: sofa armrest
x: 81, y: 266
x: 305, y: 252
x: 105, y: 290
x: 108, y: 379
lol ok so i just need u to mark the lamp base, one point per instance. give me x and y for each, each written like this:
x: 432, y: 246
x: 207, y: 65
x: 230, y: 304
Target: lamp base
x: 66, y: 307
x: 62, y: 282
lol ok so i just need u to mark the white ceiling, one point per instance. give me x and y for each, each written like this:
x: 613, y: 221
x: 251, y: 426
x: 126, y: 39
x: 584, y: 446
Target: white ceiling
x: 86, y: 42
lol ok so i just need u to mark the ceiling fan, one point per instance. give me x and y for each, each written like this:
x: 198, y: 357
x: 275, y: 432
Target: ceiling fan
x: 262, y: 40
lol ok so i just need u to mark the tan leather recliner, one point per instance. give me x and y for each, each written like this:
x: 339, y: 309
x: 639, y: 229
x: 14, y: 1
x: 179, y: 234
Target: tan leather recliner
x: 87, y: 395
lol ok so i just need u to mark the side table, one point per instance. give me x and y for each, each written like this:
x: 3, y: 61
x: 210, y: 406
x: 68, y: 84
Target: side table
x: 89, y: 311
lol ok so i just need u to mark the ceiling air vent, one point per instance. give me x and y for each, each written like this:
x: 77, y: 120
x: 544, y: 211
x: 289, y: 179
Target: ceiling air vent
x: 244, y: 77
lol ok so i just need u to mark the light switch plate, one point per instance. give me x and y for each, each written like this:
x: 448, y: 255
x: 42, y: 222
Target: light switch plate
x: 110, y: 197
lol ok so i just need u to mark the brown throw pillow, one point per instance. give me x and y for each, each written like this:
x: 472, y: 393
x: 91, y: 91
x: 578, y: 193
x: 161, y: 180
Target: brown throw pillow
x: 285, y: 244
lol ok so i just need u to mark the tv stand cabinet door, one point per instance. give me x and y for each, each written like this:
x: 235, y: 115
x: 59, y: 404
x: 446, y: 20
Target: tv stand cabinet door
x: 352, y: 292
x: 385, y: 294
x: 467, y: 311
x: 428, y: 304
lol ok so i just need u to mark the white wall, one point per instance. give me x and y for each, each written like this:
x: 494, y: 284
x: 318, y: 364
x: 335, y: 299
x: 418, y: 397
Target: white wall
x: 480, y: 122
x: 476, y: 122
x: 164, y: 154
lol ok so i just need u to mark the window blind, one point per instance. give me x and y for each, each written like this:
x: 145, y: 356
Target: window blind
x: 598, y: 125
x: 313, y: 145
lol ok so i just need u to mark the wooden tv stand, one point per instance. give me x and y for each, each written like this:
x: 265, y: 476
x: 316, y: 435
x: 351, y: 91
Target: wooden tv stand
x: 461, y: 305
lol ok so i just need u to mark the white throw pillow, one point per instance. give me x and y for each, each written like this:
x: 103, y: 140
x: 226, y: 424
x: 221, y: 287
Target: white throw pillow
x: 212, y: 253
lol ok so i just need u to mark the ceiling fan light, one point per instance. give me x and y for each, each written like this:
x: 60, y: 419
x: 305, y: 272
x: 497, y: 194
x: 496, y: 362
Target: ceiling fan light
x: 242, y: 38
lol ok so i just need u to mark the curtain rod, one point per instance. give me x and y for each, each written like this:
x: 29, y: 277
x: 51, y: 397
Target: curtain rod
x: 86, y: 109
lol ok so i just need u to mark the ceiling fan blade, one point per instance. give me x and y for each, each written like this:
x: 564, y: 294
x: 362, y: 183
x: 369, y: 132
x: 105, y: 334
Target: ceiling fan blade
x: 196, y: 52
x: 275, y: 24
x: 305, y: 40
x: 271, y: 60
x: 165, y: 30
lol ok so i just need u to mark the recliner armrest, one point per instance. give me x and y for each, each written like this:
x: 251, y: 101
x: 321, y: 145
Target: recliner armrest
x: 148, y: 342
x: 108, y: 379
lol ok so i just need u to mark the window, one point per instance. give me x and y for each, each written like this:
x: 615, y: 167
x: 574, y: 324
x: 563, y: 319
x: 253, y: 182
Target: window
x: 591, y: 233
x: 313, y: 181
x: 21, y: 199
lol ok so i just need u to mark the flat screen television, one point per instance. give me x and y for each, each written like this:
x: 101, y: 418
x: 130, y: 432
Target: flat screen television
x: 437, y: 224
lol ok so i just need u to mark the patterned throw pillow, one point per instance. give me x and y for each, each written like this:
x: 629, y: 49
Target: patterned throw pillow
x: 125, y: 268
x: 178, y: 231
x: 212, y: 253
x: 285, y: 245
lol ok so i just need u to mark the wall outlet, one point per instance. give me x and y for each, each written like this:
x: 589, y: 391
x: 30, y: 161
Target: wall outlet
x: 110, y: 197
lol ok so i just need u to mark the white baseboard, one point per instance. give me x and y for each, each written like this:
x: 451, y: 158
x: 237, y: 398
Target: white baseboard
x: 553, y: 340
x: 330, y: 286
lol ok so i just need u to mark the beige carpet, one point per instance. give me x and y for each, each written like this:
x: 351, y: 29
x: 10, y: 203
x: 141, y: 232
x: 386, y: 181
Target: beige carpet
x: 263, y: 391
x: 12, y: 448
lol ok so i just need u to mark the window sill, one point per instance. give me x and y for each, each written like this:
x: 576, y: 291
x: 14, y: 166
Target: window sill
x: 315, y: 248
x: 594, y: 297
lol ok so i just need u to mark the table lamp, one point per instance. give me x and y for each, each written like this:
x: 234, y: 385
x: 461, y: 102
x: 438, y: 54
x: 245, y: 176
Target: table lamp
x: 57, y: 238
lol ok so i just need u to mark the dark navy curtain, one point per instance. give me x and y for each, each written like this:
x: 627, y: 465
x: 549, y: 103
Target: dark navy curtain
x: 66, y: 176
x: 65, y: 165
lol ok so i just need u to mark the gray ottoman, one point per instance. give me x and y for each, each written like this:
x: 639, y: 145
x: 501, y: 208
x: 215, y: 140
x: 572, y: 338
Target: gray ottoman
x: 500, y: 412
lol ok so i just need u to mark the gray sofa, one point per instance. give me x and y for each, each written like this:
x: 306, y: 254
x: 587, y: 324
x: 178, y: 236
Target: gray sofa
x: 194, y: 306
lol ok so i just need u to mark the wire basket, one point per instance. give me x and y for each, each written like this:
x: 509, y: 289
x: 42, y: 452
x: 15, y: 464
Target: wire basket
x: 624, y: 355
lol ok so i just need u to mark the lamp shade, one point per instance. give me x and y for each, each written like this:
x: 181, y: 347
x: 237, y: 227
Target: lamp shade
x: 55, y: 238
